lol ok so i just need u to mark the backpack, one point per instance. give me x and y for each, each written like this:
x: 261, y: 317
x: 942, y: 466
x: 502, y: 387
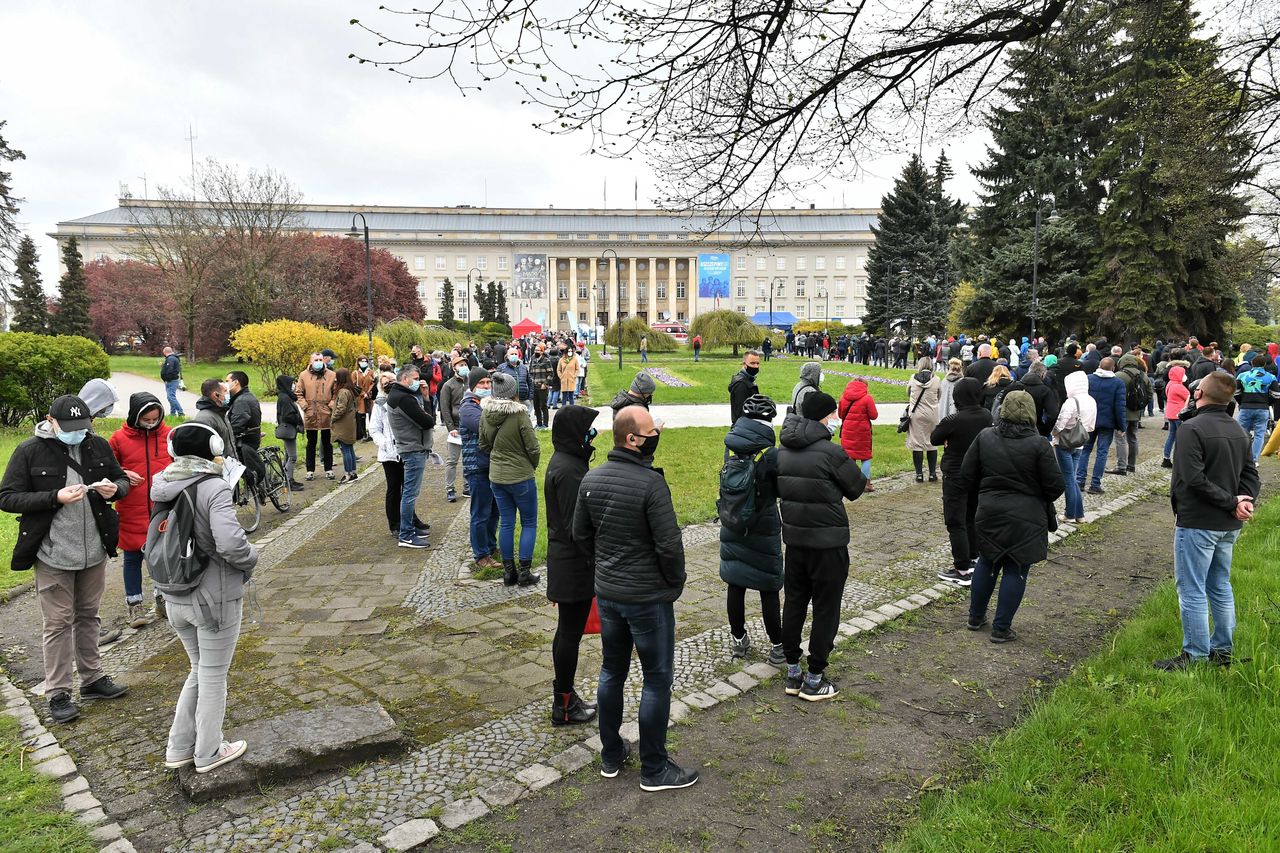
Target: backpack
x: 173, y: 561
x: 736, y: 505
x: 1139, y: 393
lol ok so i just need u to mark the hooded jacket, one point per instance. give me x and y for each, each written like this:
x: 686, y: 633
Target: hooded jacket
x: 1108, y: 392
x: 1256, y: 388
x: 1079, y: 405
x: 1176, y: 394
x: 380, y: 430
x: 923, y: 393
x: 1064, y: 367
x: 100, y: 396
x: 946, y: 402
x: 814, y: 475
x: 473, y: 458
x: 1018, y: 479
x: 70, y: 537
x: 146, y: 453
x: 288, y: 414
x: 810, y: 379
x: 754, y: 560
x: 508, y: 437
x: 741, y: 387
x: 451, y: 393
x: 214, y: 416
x: 957, y: 431
x: 218, y: 535
x: 410, y: 422
x: 857, y: 411
x: 1045, y: 398
x: 570, y: 576
x: 1132, y: 369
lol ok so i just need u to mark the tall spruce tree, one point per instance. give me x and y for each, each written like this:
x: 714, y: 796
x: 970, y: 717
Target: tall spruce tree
x: 446, y: 305
x: 896, y: 261
x: 73, y: 296
x: 500, y: 308
x: 30, y: 309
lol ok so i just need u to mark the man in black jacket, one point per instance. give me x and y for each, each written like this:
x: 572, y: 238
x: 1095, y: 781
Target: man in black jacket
x: 1047, y: 403
x: 244, y: 416
x: 982, y: 366
x: 1068, y: 364
x: 743, y: 384
x: 625, y: 520
x: 814, y: 475
x: 61, y: 482
x: 960, y: 505
x: 1214, y: 486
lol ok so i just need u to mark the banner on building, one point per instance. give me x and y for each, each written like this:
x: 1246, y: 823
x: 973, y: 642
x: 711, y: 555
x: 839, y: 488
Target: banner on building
x: 529, y: 277
x: 713, y: 276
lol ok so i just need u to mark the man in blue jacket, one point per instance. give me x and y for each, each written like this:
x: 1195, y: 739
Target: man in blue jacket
x: 519, y: 371
x: 171, y: 376
x: 1108, y: 392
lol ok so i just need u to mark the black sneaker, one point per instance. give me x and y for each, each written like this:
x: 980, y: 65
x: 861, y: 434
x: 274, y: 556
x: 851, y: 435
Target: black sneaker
x: 608, y: 769
x: 998, y: 636
x: 1119, y: 472
x: 1177, y: 664
x: 671, y: 778
x: 451, y: 495
x: 103, y: 688
x: 976, y: 626
x: 1221, y: 657
x: 794, y: 683
x: 62, y: 709
x: 1095, y: 490
x: 1166, y: 463
x: 956, y: 577
x: 823, y: 691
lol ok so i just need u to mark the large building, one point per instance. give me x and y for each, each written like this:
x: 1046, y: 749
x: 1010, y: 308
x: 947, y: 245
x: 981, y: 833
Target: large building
x: 570, y: 269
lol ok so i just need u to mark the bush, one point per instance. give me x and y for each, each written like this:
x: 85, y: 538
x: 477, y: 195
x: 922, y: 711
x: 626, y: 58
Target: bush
x: 1246, y: 331
x: 632, y: 330
x: 726, y: 328
x: 39, y: 368
x: 284, y: 346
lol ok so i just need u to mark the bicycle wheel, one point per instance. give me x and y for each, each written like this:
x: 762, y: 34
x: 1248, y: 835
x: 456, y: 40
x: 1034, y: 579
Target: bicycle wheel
x: 248, y: 510
x: 277, y: 483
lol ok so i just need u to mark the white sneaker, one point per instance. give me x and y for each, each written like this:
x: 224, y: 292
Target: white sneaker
x: 226, y: 754
x: 176, y: 763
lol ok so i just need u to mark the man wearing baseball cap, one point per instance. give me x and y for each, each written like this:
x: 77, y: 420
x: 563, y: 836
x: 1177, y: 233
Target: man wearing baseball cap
x: 62, y: 482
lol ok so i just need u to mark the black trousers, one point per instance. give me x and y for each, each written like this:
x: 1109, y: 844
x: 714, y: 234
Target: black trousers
x: 736, y: 604
x: 564, y: 646
x: 360, y: 428
x: 326, y: 449
x: 393, y: 472
x: 817, y: 575
x: 959, y: 508
x: 540, y: 406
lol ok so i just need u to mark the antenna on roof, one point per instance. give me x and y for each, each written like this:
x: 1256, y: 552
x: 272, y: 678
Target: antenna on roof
x: 191, y: 143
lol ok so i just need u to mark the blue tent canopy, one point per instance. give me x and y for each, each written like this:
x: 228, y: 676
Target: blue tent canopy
x: 776, y: 320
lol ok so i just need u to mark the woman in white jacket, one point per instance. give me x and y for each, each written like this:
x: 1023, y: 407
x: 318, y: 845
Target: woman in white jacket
x: 1080, y: 407
x: 392, y: 467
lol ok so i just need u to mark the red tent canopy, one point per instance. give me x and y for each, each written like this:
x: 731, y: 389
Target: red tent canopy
x: 525, y: 327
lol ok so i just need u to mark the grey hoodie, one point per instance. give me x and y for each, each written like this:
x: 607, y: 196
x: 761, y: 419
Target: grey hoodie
x: 218, y: 534
x: 73, y: 542
x: 810, y: 379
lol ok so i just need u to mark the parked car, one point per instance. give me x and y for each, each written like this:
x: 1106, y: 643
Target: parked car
x: 679, y: 331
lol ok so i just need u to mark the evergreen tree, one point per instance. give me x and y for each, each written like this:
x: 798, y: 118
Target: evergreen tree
x: 30, y: 310
x: 500, y: 297
x: 9, y: 233
x: 73, y: 296
x: 446, y: 305
x: 484, y: 301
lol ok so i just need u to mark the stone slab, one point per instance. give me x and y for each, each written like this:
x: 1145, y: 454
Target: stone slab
x: 121, y: 845
x: 845, y: 629
x: 891, y: 611
x: 723, y: 690
x: 863, y: 623
x: 742, y: 681
x: 58, y: 768
x: 761, y: 671
x: 700, y: 700
x: 43, y: 754
x: 106, y: 833
x: 92, y: 817
x: 576, y: 757
x: 461, y: 812
x: 410, y: 834
x: 679, y: 710
x: 930, y: 593
x: 630, y: 732
x: 82, y: 802
x: 919, y: 599
x: 593, y: 744
x: 875, y: 617
x: 539, y: 776
x: 296, y: 744
x: 75, y: 786
x: 503, y: 793
x: 43, y: 740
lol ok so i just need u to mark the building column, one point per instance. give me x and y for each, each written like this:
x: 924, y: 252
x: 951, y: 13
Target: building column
x: 671, y: 288
x: 653, y: 286
x: 692, y: 291
x: 611, y: 292
x: 632, y: 296
x: 573, y: 294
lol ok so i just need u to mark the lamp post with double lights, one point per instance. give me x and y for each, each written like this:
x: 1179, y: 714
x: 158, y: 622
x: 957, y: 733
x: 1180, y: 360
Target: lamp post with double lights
x: 467, y: 299
x: 368, y: 273
x: 1035, y: 259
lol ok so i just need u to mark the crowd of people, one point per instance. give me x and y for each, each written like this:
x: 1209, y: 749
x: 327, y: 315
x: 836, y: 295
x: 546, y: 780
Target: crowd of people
x: 1014, y: 424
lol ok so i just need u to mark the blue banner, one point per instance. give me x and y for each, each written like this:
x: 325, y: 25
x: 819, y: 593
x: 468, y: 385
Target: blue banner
x: 713, y: 276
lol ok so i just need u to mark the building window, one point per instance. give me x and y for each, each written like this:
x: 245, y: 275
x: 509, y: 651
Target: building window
x: 740, y: 263
x: 742, y: 309
x: 440, y: 262
x: 840, y: 284
x: 800, y: 312
x: 800, y: 263
x: 563, y: 290
x: 582, y: 316
x: 680, y: 316
x: 819, y: 286
x: 642, y: 291
x: 800, y: 283
x: 662, y: 290
x: 564, y: 317
x: 423, y: 289
x: 503, y: 260
x: 680, y: 290
x: 482, y: 262
x: 762, y: 289
x: 780, y: 263
x: 760, y: 263
x: 460, y: 263
x: 819, y: 263
x: 622, y: 290
x: 860, y: 288
x: 840, y: 262
x: 860, y: 262
x: 839, y: 306
x: 419, y: 262
x: 741, y: 285
x: 582, y: 290
x: 460, y: 292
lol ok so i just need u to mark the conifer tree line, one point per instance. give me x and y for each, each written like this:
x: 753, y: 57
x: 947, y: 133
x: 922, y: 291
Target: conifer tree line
x: 1122, y: 121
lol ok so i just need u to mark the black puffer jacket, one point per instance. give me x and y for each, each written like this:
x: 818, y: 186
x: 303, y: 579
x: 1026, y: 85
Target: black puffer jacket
x: 625, y: 519
x: 1018, y: 479
x: 957, y: 431
x: 814, y: 474
x: 1047, y: 404
x: 754, y: 561
x: 1066, y: 366
x: 569, y: 574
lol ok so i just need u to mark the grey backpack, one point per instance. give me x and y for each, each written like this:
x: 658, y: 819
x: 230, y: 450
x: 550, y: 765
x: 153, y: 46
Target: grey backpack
x: 173, y: 560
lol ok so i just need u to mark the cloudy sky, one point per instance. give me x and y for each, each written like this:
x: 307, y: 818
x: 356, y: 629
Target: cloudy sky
x: 101, y: 94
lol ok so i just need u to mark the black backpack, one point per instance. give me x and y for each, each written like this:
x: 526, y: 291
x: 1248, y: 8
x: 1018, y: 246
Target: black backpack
x: 1139, y: 393
x: 173, y: 560
x: 736, y: 505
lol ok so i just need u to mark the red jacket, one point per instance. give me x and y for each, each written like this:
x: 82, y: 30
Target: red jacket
x: 856, y: 410
x: 145, y: 452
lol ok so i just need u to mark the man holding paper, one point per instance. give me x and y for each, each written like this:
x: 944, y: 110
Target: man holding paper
x: 62, y: 481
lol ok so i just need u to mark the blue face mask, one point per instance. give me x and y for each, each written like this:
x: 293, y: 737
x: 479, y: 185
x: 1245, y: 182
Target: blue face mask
x: 73, y: 437
x: 591, y: 435
x: 463, y: 371
x: 483, y: 392
x: 514, y: 359
x: 415, y: 385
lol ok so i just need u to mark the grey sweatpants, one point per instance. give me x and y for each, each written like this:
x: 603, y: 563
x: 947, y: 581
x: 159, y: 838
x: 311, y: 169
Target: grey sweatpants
x: 202, y: 704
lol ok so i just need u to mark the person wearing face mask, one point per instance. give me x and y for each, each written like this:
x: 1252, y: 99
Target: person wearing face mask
x: 743, y: 384
x: 62, y: 482
x: 475, y: 470
x: 288, y: 424
x: 211, y: 410
x: 570, y: 579
x: 508, y: 438
x: 411, y: 426
x: 541, y: 371
x: 626, y: 524
x: 141, y: 447
x: 814, y: 475
x: 363, y: 380
x: 639, y: 394
x: 810, y: 380
x: 567, y: 371
x: 244, y: 416
x: 315, y: 396
x: 451, y: 393
x: 519, y: 372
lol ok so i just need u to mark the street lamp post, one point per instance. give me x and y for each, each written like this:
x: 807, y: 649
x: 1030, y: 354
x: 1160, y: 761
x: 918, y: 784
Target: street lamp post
x: 467, y: 300
x: 1035, y: 259
x: 773, y: 286
x: 617, y: 296
x: 902, y: 280
x: 368, y: 274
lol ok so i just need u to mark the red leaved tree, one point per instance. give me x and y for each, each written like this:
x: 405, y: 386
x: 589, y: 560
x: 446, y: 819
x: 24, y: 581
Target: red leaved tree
x: 127, y: 299
x: 323, y: 282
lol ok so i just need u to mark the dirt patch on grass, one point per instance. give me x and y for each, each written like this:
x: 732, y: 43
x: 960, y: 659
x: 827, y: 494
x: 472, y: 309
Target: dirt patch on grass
x: 779, y: 773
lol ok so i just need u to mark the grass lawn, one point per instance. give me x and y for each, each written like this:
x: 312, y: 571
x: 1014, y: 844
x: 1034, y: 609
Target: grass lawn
x: 192, y: 373
x: 31, y: 815
x: 709, y: 378
x: 1123, y: 757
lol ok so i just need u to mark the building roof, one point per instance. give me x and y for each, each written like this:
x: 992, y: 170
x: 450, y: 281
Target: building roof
x: 337, y: 218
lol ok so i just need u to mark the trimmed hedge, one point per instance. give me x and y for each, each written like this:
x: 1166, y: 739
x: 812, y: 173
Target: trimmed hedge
x: 40, y: 368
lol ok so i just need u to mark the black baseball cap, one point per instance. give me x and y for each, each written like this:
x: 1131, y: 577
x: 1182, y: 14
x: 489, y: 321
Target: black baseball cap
x: 328, y: 353
x: 71, y: 413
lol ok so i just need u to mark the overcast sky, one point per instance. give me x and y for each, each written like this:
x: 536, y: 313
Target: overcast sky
x: 101, y: 93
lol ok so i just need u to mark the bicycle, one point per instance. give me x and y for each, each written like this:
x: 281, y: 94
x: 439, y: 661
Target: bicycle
x: 274, y: 487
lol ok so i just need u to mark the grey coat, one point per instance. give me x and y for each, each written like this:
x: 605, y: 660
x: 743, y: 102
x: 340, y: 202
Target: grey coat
x: 810, y: 379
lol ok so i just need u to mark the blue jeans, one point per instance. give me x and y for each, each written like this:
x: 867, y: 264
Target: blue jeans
x: 651, y: 630
x: 1067, y: 463
x: 566, y: 398
x: 1202, y: 569
x: 414, y: 463
x: 132, y: 577
x: 484, y: 515
x: 348, y: 457
x: 644, y: 356
x: 1255, y: 421
x: 1013, y: 583
x: 865, y: 465
x: 171, y: 391
x: 553, y: 397
x: 1103, y: 438
x: 697, y: 352
x: 1173, y: 435
x: 513, y: 498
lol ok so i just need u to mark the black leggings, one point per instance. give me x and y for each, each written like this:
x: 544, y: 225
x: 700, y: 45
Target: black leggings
x: 917, y: 456
x: 394, y: 474
x: 770, y: 609
x: 564, y: 646
x: 326, y: 450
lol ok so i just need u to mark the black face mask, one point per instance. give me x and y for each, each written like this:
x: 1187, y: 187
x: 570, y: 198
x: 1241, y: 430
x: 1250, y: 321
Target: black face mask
x: 649, y: 446
x: 751, y: 371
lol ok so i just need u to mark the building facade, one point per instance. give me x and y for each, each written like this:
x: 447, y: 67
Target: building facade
x: 572, y: 269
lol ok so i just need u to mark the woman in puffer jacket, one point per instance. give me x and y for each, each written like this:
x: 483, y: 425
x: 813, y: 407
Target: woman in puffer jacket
x: 141, y: 447
x: 1175, y: 398
x: 857, y: 412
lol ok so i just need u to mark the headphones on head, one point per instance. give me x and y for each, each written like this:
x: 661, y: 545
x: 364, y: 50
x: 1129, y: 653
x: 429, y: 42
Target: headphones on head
x: 216, y: 445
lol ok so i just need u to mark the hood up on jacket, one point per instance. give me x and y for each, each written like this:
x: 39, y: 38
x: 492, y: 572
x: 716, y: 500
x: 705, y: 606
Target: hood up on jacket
x: 1131, y: 360
x: 100, y: 396
x: 1177, y: 373
x: 798, y: 433
x: 811, y: 373
x: 1076, y: 383
x: 967, y: 393
x: 1017, y: 415
x: 855, y: 390
x: 284, y: 387
x: 139, y: 404
x: 569, y: 430
x: 749, y: 436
